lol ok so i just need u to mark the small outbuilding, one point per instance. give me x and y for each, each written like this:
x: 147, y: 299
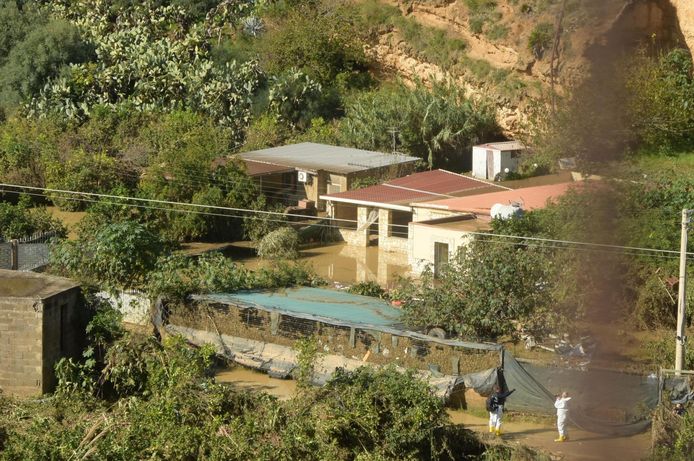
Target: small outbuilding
x: 319, y: 169
x: 41, y: 321
x: 491, y: 159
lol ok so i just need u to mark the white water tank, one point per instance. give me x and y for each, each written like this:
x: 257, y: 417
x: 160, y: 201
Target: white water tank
x: 500, y: 211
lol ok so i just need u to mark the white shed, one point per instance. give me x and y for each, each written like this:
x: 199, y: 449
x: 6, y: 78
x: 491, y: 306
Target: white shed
x: 490, y: 159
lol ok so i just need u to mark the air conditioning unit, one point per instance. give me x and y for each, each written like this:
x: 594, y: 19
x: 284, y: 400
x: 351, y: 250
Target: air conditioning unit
x: 304, y: 177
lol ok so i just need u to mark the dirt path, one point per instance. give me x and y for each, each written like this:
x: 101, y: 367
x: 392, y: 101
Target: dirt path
x: 583, y: 446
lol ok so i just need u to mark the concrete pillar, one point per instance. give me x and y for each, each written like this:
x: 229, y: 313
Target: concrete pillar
x: 385, y: 217
x: 361, y: 234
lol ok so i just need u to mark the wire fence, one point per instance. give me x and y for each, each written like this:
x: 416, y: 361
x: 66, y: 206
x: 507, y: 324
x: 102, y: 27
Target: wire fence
x: 27, y: 253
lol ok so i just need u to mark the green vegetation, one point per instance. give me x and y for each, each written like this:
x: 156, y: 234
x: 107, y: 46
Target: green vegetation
x: 367, y: 289
x: 439, y: 123
x: 488, y: 290
x: 540, y: 39
x: 673, y: 436
x: 21, y: 220
x: 133, y: 397
x: 431, y: 44
x: 282, y: 243
x: 662, y: 99
x: 482, y: 13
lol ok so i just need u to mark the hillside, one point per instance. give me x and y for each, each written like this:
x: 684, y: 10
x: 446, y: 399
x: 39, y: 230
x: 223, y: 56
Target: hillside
x: 505, y: 46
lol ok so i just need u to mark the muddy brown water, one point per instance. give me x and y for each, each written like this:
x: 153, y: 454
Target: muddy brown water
x: 582, y: 446
x: 338, y: 262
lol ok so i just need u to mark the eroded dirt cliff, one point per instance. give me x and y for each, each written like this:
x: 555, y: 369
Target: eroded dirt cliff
x: 499, y: 36
x: 685, y: 17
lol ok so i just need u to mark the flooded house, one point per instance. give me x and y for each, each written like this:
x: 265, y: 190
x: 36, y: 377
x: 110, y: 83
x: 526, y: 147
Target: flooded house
x: 306, y: 171
x: 41, y: 321
x: 440, y: 227
x: 380, y: 215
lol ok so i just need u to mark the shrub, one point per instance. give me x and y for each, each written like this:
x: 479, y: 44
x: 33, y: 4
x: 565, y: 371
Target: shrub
x: 21, y: 220
x: 282, y: 243
x: 660, y: 101
x: 372, y: 289
x: 540, y: 39
x: 116, y: 255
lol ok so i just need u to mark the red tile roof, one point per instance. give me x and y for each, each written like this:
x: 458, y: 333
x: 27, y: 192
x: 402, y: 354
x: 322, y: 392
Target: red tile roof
x: 427, y: 185
x: 530, y: 198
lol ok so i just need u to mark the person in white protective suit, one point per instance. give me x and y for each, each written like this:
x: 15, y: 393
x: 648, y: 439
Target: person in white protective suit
x: 562, y: 406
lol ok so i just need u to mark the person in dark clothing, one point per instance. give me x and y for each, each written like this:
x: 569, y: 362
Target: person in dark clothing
x: 679, y: 410
x: 495, y: 407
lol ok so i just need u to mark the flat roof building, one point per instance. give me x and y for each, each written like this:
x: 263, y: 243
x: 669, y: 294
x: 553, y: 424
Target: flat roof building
x: 320, y: 169
x: 41, y: 321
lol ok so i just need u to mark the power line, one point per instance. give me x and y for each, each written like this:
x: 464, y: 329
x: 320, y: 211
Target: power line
x: 276, y: 213
x: 169, y: 202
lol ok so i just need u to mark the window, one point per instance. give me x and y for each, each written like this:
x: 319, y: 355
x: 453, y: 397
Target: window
x: 440, y: 257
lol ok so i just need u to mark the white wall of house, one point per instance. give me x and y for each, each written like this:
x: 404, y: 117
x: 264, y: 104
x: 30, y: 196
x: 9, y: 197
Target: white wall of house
x: 423, y: 240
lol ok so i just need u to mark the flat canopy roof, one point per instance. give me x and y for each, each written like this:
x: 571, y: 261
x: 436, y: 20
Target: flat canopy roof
x: 530, y: 198
x: 317, y: 303
x: 313, y: 157
x: 399, y: 193
x: 20, y: 284
x: 459, y: 223
x: 503, y: 145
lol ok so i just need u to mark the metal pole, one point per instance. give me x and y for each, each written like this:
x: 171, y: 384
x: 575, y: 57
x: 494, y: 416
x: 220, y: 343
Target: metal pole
x: 14, y: 254
x: 682, y: 296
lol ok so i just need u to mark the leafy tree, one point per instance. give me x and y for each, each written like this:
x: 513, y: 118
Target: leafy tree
x: 17, y: 22
x: 486, y: 291
x: 117, y: 255
x: 661, y: 103
x: 316, y: 37
x: 385, y: 412
x: 40, y: 56
x: 21, y: 220
x: 26, y: 147
x: 439, y: 124
x: 84, y: 172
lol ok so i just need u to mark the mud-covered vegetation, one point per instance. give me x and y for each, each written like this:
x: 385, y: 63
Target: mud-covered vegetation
x: 134, y: 397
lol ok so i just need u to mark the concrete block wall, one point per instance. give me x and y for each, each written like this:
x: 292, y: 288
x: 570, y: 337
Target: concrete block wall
x: 34, y: 335
x: 21, y: 330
